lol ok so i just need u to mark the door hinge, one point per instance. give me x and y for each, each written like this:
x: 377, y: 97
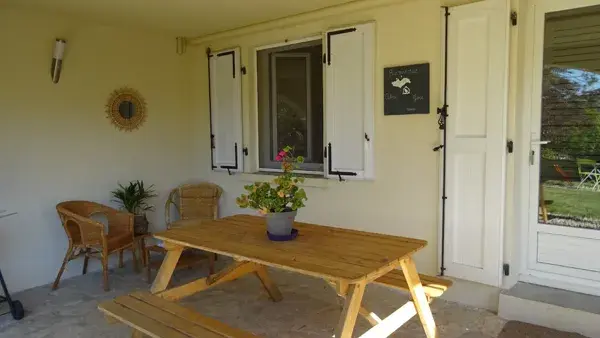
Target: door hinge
x: 514, y: 18
x: 510, y: 146
x: 506, y: 269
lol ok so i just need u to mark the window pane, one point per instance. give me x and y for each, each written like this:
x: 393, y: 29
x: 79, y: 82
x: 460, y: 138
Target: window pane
x: 290, y: 102
x: 570, y: 162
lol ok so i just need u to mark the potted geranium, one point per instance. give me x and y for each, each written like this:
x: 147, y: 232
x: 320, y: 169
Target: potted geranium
x: 134, y: 198
x: 280, y: 199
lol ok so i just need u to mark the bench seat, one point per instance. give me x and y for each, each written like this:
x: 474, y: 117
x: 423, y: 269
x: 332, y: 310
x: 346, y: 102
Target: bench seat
x: 433, y: 286
x: 158, y: 318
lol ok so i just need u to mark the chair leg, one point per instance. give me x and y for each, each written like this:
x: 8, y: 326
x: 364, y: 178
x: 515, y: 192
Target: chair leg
x: 62, y: 268
x: 148, y: 265
x: 136, y: 266
x: 121, y: 264
x: 105, y: 272
x: 85, y: 261
x: 142, y: 247
x: 211, y: 262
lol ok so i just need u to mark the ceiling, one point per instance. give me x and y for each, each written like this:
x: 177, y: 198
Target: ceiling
x: 181, y: 17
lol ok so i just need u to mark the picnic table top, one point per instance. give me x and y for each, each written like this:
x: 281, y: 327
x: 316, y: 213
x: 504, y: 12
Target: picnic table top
x: 326, y: 252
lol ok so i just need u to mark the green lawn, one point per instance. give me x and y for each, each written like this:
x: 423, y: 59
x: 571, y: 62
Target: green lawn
x: 572, y: 202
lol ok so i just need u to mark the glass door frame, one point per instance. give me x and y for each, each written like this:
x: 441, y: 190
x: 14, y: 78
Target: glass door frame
x: 530, y: 133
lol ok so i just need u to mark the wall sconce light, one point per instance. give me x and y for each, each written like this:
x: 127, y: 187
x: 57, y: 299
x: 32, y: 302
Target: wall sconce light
x: 181, y: 45
x: 59, y: 51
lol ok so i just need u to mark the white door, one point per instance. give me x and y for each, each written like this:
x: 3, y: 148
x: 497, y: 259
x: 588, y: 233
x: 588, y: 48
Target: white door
x: 564, y: 135
x: 476, y: 131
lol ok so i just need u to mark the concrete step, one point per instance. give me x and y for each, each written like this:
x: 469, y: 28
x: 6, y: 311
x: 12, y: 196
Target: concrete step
x: 554, y: 308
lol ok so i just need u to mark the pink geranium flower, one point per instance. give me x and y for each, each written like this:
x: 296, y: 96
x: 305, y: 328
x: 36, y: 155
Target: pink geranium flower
x: 278, y: 158
x: 282, y: 153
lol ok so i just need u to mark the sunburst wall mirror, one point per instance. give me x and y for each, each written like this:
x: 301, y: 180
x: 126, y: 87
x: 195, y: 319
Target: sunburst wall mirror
x: 126, y: 109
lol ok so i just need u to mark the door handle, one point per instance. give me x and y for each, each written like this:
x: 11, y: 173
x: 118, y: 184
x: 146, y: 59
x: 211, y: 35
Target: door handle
x: 537, y: 143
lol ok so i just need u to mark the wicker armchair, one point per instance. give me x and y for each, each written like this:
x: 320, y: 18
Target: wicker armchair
x: 89, y: 238
x: 192, y: 202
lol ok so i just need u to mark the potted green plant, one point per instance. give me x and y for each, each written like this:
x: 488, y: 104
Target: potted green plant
x: 280, y: 199
x: 134, y: 198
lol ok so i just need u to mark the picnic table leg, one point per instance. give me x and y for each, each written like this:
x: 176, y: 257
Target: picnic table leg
x: 268, y: 284
x: 354, y: 298
x: 418, y: 296
x: 341, y: 288
x: 166, y: 268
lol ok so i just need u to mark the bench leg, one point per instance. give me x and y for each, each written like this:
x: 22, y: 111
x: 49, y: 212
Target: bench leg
x: 268, y: 284
x: 137, y: 334
x: 351, y: 310
x: 419, y: 298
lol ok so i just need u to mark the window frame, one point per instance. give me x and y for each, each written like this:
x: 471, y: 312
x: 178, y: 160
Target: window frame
x: 257, y: 116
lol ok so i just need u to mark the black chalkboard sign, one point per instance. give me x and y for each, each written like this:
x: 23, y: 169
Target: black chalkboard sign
x: 406, y: 90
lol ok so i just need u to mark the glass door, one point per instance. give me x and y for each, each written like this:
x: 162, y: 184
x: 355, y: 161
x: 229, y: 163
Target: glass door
x: 564, y: 158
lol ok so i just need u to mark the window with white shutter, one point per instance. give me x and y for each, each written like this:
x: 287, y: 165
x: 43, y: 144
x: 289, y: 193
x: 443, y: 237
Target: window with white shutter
x: 226, y: 111
x: 349, y: 102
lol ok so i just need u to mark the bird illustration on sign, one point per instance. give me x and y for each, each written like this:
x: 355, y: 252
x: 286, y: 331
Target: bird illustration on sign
x: 402, y: 84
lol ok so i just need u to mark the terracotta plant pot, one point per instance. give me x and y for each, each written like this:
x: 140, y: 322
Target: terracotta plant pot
x: 140, y: 225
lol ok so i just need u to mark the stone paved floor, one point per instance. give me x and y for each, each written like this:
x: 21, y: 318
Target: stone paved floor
x: 309, y: 309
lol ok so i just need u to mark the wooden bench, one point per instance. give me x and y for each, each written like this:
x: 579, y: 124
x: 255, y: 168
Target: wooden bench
x: 433, y: 286
x: 158, y: 318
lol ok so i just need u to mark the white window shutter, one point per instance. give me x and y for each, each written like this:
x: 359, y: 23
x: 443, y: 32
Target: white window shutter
x: 226, y: 111
x: 349, y: 102
x: 476, y: 140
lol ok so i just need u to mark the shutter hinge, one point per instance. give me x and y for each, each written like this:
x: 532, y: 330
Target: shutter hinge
x: 336, y: 172
x: 506, y: 269
x: 232, y: 53
x: 510, y: 145
x: 514, y: 18
x: 324, y: 58
x: 243, y: 70
x: 329, y: 34
x: 212, y: 141
x: 245, y: 151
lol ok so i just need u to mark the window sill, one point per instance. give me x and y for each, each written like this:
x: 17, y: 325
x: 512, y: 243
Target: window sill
x: 313, y: 181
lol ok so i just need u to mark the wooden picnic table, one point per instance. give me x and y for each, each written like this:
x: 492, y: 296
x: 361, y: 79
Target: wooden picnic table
x: 347, y: 259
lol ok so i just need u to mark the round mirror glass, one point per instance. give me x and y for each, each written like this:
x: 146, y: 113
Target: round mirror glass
x: 126, y: 109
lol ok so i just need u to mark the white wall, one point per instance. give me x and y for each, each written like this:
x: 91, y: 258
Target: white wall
x: 404, y: 197
x: 56, y: 142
